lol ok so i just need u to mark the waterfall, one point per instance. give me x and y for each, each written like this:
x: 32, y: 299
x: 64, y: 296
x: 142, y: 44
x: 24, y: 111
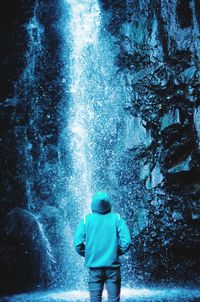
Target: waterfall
x: 95, y: 102
x: 95, y: 117
x: 25, y: 90
x: 84, y: 28
x: 62, y: 177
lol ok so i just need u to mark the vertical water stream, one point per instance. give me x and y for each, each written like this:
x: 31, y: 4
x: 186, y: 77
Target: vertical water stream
x: 95, y: 112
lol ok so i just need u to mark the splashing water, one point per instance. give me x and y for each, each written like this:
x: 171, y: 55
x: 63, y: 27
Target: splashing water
x: 128, y: 295
x: 94, y: 113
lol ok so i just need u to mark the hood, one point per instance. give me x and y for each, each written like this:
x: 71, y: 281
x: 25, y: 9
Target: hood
x: 101, y: 203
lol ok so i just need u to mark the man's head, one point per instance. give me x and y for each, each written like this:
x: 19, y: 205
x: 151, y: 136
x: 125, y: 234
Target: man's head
x: 101, y: 203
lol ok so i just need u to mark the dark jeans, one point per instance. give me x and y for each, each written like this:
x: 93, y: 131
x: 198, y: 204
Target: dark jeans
x: 97, y: 278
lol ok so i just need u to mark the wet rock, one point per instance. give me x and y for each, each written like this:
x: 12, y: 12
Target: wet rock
x: 177, y: 141
x: 14, y: 15
x: 142, y: 219
x: 159, y: 58
x: 172, y: 117
x: 155, y: 178
x: 184, y: 166
x: 184, y: 13
x: 52, y: 218
x: 145, y: 171
x: 25, y: 255
x: 182, y: 182
x: 135, y: 133
x: 197, y: 123
x: 177, y: 216
x: 187, y: 75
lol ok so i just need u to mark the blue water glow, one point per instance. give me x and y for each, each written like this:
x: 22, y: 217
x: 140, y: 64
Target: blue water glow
x: 127, y: 294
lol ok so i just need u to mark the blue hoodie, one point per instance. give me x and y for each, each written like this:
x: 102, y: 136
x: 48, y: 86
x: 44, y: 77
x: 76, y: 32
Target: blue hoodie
x: 102, y: 236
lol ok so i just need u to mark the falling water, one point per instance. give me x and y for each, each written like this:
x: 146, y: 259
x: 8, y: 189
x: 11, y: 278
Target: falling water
x: 25, y: 88
x: 95, y: 114
x: 84, y: 27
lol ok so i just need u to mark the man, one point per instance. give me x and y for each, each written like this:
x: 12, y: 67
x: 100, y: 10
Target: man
x: 101, y: 237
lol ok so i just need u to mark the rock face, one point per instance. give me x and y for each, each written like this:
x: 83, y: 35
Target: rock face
x: 30, y: 100
x: 160, y: 59
x: 25, y: 253
x: 13, y: 34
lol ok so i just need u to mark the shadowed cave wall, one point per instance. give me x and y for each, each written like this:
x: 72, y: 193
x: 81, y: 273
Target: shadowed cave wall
x: 31, y: 89
x: 159, y: 58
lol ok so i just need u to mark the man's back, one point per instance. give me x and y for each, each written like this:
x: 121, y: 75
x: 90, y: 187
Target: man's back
x: 101, y: 237
x: 102, y: 240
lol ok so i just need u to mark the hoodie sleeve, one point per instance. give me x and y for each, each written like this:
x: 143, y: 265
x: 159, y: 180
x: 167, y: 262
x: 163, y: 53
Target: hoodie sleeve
x: 79, y: 238
x: 124, y: 236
